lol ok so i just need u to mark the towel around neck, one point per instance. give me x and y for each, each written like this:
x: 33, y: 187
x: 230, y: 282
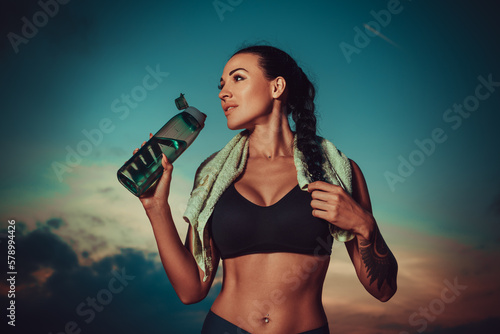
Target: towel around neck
x: 218, y: 171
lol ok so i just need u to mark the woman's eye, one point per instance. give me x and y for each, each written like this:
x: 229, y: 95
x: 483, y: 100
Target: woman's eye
x: 235, y: 78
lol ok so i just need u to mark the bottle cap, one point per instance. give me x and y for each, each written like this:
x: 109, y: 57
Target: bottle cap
x: 198, y: 115
x: 181, y: 102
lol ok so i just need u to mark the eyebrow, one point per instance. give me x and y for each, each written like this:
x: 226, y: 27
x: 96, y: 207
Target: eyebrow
x: 236, y: 69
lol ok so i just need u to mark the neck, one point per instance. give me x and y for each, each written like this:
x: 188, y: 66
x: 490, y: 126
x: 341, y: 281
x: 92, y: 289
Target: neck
x: 271, y: 140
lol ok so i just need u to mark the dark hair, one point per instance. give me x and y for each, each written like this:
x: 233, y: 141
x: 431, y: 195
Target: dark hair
x: 300, y: 101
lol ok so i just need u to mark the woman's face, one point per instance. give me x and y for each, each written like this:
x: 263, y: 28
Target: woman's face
x: 246, y: 94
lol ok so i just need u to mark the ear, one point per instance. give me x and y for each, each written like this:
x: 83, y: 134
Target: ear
x: 278, y: 86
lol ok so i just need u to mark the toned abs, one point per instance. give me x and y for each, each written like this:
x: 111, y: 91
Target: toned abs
x: 272, y: 292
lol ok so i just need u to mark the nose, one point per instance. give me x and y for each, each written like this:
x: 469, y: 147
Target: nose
x: 224, y: 93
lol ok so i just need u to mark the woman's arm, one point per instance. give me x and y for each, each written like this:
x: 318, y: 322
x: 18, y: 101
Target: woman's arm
x: 375, y: 264
x: 178, y: 261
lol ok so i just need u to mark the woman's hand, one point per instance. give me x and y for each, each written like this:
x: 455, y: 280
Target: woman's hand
x: 333, y: 204
x: 157, y: 194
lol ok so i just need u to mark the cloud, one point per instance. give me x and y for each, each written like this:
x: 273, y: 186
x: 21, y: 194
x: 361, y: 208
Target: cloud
x: 96, y: 227
x: 56, y: 277
x: 486, y: 326
x: 55, y: 223
x: 100, y: 216
x: 146, y: 302
x: 426, y: 263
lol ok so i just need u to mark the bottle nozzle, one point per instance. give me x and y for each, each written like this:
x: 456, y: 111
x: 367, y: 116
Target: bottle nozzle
x: 181, y: 102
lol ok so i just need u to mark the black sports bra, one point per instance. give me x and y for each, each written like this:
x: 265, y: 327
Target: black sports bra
x: 240, y: 227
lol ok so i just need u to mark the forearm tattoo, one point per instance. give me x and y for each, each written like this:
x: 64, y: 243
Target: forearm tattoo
x: 380, y: 264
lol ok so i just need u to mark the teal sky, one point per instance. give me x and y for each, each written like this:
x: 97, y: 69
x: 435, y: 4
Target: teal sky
x: 372, y: 104
x: 65, y: 79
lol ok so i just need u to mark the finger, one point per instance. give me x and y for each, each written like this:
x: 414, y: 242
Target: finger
x: 322, y: 215
x: 150, y: 135
x: 166, y: 177
x: 324, y: 206
x: 330, y: 197
x: 143, y: 143
x: 320, y: 195
x: 135, y: 151
x: 323, y: 186
x: 317, y: 185
x: 167, y: 165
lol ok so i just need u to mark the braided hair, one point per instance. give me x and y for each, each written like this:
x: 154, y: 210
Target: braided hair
x: 300, y: 102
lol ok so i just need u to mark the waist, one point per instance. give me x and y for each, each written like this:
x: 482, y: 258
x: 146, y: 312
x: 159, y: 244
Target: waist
x: 284, y: 287
x: 277, y: 313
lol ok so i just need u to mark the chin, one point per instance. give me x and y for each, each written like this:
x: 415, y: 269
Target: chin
x: 232, y: 125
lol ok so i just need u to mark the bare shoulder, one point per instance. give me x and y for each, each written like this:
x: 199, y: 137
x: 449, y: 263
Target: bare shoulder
x: 356, y: 171
x: 359, y: 187
x: 358, y: 178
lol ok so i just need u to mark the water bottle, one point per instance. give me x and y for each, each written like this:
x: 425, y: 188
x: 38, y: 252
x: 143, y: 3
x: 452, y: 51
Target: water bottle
x: 142, y: 170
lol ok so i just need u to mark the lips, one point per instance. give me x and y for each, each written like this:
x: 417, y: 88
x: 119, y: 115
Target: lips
x: 228, y: 108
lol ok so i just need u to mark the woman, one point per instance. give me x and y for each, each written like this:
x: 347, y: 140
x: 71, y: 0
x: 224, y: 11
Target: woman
x: 267, y: 231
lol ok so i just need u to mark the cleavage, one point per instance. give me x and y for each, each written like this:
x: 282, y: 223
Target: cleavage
x: 259, y: 201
